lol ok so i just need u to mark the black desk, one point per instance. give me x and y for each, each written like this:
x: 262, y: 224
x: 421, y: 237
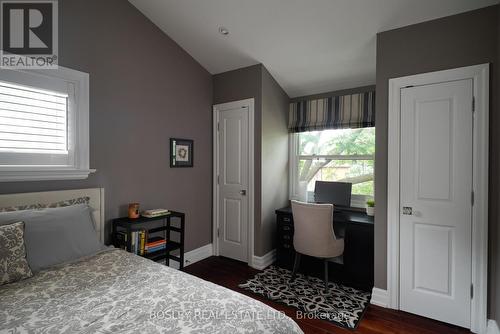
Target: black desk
x: 357, y: 230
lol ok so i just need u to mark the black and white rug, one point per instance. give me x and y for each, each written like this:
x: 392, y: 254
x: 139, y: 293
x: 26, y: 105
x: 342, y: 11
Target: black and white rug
x: 340, y: 304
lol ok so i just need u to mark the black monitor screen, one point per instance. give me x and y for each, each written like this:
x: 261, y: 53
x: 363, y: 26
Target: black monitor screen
x: 336, y: 193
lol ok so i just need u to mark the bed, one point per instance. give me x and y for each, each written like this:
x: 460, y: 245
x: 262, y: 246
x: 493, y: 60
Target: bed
x: 113, y: 291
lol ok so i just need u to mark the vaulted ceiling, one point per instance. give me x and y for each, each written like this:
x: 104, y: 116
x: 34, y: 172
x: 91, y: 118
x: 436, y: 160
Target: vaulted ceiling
x: 309, y: 46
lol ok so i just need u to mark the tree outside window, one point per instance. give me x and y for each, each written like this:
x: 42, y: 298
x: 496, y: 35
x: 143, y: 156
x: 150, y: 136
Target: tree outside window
x: 343, y: 155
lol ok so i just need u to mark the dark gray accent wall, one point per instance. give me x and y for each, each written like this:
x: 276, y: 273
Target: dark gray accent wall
x: 461, y: 40
x: 144, y: 89
x: 270, y: 170
x: 240, y: 84
x: 275, y: 105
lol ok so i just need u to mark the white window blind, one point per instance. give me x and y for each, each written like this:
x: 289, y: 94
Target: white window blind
x: 44, y: 125
x: 33, y: 120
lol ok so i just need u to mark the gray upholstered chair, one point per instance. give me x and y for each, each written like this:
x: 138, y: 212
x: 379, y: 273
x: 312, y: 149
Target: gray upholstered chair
x: 314, y: 234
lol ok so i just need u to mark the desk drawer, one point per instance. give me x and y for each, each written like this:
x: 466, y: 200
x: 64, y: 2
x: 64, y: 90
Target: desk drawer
x: 285, y: 219
x: 285, y: 228
x: 286, y: 246
x: 285, y: 237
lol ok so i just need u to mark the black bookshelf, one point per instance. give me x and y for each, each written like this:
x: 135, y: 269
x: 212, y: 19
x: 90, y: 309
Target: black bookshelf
x: 129, y: 225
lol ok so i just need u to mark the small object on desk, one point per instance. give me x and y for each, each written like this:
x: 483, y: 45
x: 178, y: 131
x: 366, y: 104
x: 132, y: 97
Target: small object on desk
x: 153, y: 213
x: 133, y: 210
x: 336, y: 193
x: 370, y: 208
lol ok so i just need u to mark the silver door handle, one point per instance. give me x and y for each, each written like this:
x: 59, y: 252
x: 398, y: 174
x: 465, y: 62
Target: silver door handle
x: 407, y: 210
x: 243, y: 192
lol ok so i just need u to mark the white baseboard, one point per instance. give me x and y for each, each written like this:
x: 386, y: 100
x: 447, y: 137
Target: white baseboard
x: 262, y: 262
x: 379, y: 297
x: 492, y: 327
x: 194, y: 256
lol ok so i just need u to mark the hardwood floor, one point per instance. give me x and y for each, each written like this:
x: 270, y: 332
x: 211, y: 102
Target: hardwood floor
x: 230, y: 273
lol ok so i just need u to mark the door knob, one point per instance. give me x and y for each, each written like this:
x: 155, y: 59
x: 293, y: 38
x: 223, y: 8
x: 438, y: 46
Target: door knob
x: 407, y: 210
x: 243, y: 192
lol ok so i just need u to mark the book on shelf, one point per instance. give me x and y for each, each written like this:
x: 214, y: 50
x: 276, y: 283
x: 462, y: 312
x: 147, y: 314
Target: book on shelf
x: 155, y: 241
x: 142, y: 242
x: 138, y: 242
x: 155, y: 244
x: 121, y: 239
x: 132, y: 241
x: 156, y: 249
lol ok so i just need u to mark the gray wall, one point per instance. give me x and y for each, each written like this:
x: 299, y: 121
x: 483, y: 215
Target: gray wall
x: 240, y: 84
x: 275, y: 105
x: 271, y: 172
x: 143, y: 89
x: 456, y: 41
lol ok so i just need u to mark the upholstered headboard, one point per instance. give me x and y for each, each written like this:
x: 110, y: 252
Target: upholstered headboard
x: 96, y: 202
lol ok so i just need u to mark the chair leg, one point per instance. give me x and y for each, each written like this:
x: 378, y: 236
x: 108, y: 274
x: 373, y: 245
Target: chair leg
x: 296, y: 265
x: 326, y: 273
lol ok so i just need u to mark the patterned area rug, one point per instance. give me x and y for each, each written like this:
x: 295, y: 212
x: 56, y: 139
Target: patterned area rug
x: 340, y: 304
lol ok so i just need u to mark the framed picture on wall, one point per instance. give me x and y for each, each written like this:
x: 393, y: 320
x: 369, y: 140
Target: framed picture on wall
x: 181, y: 152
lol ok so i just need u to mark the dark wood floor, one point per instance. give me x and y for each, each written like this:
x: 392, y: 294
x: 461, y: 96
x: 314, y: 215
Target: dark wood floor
x: 230, y: 273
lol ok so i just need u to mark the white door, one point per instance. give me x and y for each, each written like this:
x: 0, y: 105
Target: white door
x: 233, y: 178
x: 435, y: 199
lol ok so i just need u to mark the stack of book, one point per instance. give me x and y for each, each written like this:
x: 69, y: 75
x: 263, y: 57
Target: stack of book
x: 138, y: 242
x: 155, y: 213
x: 155, y: 244
x: 138, y: 239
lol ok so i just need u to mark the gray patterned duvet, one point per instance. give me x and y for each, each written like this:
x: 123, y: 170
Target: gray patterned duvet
x: 116, y: 292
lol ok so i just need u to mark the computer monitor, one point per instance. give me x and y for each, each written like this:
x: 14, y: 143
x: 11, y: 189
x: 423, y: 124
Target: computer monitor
x: 336, y: 193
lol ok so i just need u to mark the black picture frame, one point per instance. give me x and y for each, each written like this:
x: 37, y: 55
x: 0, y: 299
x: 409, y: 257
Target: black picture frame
x: 178, y: 161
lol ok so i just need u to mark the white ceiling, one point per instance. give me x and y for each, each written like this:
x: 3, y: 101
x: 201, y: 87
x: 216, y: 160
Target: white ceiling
x: 309, y: 46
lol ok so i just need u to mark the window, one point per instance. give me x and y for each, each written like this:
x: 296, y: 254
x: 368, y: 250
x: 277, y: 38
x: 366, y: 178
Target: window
x: 345, y: 155
x: 43, y: 125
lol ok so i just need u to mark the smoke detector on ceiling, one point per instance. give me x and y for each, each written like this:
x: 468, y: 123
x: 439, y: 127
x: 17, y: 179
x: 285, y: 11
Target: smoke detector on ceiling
x: 223, y: 31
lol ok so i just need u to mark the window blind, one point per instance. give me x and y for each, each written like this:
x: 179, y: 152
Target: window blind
x: 33, y: 120
x: 336, y: 112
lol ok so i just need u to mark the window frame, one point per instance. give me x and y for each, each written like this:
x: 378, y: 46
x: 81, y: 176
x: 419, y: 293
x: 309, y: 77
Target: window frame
x: 77, y: 166
x: 357, y: 201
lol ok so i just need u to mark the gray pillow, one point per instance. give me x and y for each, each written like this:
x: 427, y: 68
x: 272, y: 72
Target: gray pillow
x: 13, y: 264
x: 56, y: 235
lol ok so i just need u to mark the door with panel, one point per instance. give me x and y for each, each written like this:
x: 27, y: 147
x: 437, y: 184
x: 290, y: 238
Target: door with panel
x: 435, y: 201
x: 233, y: 178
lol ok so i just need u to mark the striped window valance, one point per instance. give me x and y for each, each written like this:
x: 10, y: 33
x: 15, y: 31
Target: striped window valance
x: 336, y: 112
